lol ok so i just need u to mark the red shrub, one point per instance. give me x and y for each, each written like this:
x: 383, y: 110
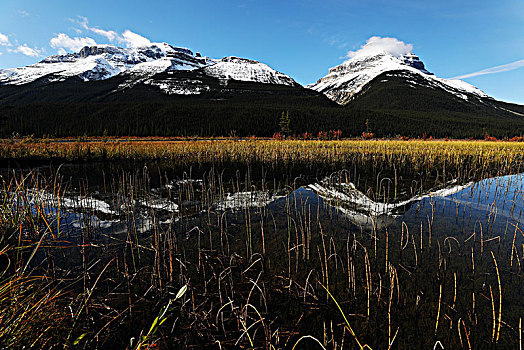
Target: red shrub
x: 322, y: 135
x: 367, y: 135
x: 336, y: 134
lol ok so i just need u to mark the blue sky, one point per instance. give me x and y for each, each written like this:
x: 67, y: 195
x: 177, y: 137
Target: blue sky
x: 302, y: 38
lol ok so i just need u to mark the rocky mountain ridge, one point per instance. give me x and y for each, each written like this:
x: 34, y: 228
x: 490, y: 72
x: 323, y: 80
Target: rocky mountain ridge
x: 346, y: 80
x: 93, y: 63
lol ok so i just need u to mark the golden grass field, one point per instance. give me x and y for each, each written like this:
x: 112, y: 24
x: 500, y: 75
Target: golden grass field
x: 416, y: 152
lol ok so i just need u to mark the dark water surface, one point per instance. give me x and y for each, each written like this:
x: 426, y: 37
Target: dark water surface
x: 413, y: 261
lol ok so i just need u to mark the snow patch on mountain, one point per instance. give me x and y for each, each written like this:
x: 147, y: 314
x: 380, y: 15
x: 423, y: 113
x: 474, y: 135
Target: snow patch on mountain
x: 235, y: 68
x: 177, y: 87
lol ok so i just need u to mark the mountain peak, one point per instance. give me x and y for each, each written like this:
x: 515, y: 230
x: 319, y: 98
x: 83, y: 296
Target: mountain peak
x: 99, y: 62
x: 349, y: 78
x: 384, y: 59
x: 244, y: 69
x: 414, y: 61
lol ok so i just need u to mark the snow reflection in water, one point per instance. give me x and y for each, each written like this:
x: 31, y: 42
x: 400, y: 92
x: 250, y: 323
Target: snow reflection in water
x: 363, y: 211
x: 501, y: 196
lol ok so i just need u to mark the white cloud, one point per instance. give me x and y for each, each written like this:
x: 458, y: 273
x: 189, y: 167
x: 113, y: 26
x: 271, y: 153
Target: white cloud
x: 377, y: 44
x: 134, y: 40
x: 23, y: 13
x: 82, y: 21
x: 63, y: 43
x: 23, y: 49
x: 26, y: 50
x: 4, y: 40
x: 111, y: 35
x: 492, y: 70
x: 128, y: 38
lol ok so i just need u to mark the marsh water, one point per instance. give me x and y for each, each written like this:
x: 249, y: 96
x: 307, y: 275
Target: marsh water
x: 409, y: 260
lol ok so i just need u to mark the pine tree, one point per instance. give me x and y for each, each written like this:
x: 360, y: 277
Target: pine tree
x: 284, y: 124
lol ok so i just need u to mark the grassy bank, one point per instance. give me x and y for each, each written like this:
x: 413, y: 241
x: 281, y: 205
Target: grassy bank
x: 416, y: 153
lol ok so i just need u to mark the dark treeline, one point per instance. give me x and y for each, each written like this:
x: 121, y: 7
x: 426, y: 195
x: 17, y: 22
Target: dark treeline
x: 223, y: 119
x: 245, y: 109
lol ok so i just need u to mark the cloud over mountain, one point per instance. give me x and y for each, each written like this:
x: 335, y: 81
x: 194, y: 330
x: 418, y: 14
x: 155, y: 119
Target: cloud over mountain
x: 128, y: 38
x: 377, y: 44
x: 26, y: 50
x: 64, y: 43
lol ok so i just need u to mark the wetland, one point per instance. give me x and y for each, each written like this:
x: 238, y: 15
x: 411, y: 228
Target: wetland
x: 262, y: 244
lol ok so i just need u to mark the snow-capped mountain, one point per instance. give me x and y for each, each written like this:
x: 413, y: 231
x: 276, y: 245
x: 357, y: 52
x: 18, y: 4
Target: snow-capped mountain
x: 346, y: 80
x: 247, y: 70
x: 105, y: 61
x: 164, y: 90
x: 138, y: 64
